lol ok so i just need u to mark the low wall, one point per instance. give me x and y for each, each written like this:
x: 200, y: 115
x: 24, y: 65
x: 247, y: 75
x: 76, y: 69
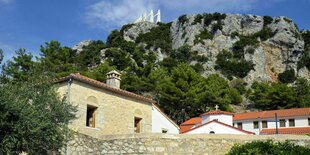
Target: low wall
x: 169, y: 144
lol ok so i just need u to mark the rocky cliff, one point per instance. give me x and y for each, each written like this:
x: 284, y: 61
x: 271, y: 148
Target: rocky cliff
x: 280, y: 45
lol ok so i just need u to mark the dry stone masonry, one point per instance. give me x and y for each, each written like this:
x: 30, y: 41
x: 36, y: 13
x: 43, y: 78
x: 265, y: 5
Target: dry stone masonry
x: 168, y: 144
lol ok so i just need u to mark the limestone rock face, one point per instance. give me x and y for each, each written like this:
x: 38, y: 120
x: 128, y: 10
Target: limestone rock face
x: 272, y: 56
x: 133, y: 32
x: 79, y: 47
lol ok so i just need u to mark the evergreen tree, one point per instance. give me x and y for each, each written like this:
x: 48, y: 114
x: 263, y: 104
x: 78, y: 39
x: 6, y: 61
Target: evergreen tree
x: 20, y: 68
x: 57, y: 59
x: 33, y: 118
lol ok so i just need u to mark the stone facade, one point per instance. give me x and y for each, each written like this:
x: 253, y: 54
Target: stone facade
x: 114, y: 112
x: 168, y: 144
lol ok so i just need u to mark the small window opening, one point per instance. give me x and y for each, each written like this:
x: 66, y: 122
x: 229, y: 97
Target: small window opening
x: 255, y: 124
x: 164, y: 130
x: 90, y: 116
x: 282, y: 122
x: 137, y: 125
x: 264, y: 124
x: 239, y: 125
x: 212, y: 132
x: 291, y: 122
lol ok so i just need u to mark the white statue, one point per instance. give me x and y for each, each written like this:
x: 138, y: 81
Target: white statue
x: 149, y: 17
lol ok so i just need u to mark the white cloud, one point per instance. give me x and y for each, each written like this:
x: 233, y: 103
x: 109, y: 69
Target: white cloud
x: 108, y: 14
x: 104, y: 14
x: 6, y: 1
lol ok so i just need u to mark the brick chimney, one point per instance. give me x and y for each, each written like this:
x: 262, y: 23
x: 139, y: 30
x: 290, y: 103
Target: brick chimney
x: 114, y: 79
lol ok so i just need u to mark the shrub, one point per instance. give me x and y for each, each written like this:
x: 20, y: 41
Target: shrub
x: 264, y: 34
x: 158, y: 37
x: 217, y: 26
x: 238, y: 47
x: 208, y: 18
x: 269, y: 147
x: 234, y: 34
x: 231, y: 66
x: 197, y: 19
x: 205, y: 34
x: 267, y: 20
x: 183, y: 19
x: 126, y: 27
x: 287, y: 76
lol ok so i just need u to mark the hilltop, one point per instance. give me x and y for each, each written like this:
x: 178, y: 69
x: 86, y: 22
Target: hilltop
x: 239, y: 62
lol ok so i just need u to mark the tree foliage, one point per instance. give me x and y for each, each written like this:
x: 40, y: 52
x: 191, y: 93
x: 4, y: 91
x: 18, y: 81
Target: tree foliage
x: 21, y: 67
x: 268, y: 147
x: 268, y: 96
x: 287, y: 76
x: 33, y: 118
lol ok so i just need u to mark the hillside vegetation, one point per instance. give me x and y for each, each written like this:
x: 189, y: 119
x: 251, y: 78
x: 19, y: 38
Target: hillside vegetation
x: 191, y: 64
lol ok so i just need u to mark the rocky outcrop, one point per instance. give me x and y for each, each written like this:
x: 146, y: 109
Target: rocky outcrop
x: 281, y: 51
x: 79, y: 47
x: 134, y: 30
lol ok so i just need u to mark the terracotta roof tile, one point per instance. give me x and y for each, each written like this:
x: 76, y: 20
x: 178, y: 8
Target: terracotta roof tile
x: 271, y: 113
x: 99, y: 84
x: 248, y: 132
x: 301, y: 130
x: 216, y: 112
x: 187, y: 125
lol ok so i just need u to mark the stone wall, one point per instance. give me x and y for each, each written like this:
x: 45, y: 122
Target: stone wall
x: 169, y: 144
x: 115, y: 113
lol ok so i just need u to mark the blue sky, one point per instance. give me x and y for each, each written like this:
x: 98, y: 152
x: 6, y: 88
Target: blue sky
x: 30, y: 23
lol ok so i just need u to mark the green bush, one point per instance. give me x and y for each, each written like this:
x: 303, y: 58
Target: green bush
x: 183, y: 19
x: 287, y: 76
x: 267, y: 20
x: 268, y: 148
x: 198, y: 19
x: 264, y: 34
x: 305, y: 59
x: 238, y: 47
x: 231, y: 66
x: 158, y: 37
x: 205, y: 34
x: 208, y: 18
x: 217, y: 26
x: 234, y: 34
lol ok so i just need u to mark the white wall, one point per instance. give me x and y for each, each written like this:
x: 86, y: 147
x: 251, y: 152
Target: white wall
x: 217, y: 128
x: 227, y: 119
x: 160, y: 122
x: 248, y: 124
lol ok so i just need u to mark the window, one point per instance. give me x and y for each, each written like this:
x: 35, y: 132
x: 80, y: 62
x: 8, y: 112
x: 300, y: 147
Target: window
x: 164, y: 130
x: 282, y: 122
x: 308, y: 121
x: 255, y: 124
x: 137, y: 125
x: 291, y: 122
x: 211, y: 132
x: 264, y: 124
x: 90, y: 116
x: 239, y: 125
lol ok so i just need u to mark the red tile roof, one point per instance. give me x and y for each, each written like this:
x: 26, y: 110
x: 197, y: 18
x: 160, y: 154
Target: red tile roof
x: 299, y: 130
x: 216, y: 112
x: 271, y: 113
x: 81, y: 78
x: 187, y: 125
x: 247, y: 132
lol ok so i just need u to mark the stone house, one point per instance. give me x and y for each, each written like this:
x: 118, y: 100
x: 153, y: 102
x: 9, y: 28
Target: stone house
x: 105, y: 109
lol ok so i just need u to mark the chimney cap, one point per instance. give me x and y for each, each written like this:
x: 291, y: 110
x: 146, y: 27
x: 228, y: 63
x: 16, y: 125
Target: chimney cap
x: 114, y: 72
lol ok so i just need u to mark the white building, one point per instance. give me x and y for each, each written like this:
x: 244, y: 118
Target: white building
x: 214, y: 122
x: 161, y: 123
x: 290, y: 121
